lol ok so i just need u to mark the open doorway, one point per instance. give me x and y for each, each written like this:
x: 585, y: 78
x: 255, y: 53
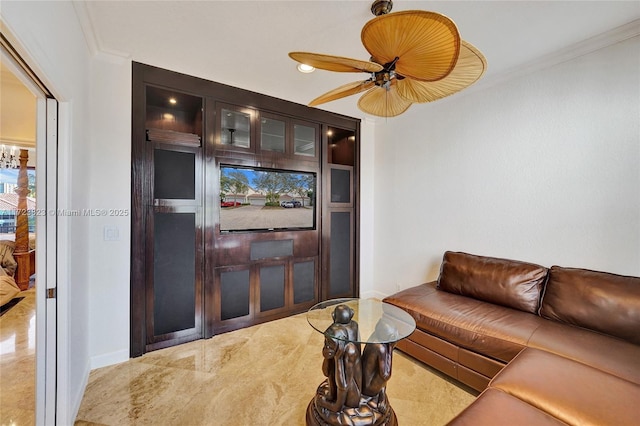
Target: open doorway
x: 18, y: 301
x: 27, y: 317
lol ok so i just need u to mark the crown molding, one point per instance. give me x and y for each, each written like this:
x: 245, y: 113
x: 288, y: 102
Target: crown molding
x: 585, y: 47
x: 94, y: 43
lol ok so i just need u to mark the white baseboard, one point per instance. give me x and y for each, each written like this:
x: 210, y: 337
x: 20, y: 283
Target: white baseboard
x: 77, y: 398
x: 373, y: 294
x: 111, y: 358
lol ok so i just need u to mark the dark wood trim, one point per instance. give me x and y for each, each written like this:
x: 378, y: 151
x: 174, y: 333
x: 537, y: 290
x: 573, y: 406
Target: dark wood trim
x: 139, y: 182
x: 235, y: 96
x: 356, y: 216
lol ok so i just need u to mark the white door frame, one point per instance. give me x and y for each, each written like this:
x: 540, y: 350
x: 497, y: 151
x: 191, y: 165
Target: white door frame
x: 47, y: 359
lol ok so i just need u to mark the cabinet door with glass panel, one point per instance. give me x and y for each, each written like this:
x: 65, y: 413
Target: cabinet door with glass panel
x: 283, y: 137
x: 273, y: 134
x: 235, y: 128
x: 305, y: 140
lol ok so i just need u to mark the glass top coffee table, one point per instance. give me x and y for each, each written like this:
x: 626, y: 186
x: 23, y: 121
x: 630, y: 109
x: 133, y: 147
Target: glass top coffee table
x: 359, y: 337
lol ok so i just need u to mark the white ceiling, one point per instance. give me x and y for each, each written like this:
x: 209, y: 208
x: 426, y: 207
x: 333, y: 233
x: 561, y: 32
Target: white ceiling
x: 17, y: 109
x: 245, y: 43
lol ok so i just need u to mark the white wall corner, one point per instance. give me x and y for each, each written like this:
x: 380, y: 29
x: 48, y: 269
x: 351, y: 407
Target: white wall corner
x: 77, y: 399
x: 373, y: 294
x: 104, y: 360
x: 370, y: 120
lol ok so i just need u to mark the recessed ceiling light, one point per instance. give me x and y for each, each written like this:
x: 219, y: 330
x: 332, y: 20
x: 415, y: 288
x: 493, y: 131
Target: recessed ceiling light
x: 173, y: 101
x: 305, y: 68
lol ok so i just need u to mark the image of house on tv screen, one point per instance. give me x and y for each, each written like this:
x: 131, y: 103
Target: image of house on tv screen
x: 253, y: 199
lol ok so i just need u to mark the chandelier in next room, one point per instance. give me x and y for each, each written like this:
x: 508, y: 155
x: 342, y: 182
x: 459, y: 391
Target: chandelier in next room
x: 8, y: 160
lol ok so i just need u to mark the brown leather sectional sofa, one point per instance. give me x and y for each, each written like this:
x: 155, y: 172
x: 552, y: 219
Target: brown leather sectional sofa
x: 550, y: 346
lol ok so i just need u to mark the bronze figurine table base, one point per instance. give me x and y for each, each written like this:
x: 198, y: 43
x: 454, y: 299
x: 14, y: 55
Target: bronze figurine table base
x: 368, y: 413
x: 355, y: 391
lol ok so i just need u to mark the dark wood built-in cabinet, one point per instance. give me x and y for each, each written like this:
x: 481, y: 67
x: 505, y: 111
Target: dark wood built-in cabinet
x: 190, y: 279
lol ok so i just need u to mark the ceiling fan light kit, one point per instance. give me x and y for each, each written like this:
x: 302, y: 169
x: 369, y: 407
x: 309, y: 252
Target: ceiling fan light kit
x: 416, y: 57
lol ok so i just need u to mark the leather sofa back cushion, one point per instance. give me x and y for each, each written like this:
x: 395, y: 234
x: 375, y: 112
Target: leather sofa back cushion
x: 599, y: 301
x: 503, y: 282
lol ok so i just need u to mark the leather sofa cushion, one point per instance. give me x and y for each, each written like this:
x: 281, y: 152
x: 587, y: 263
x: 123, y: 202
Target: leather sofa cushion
x: 509, y: 283
x: 572, y: 392
x: 599, y: 301
x: 609, y: 354
x: 491, y: 330
x: 495, y: 407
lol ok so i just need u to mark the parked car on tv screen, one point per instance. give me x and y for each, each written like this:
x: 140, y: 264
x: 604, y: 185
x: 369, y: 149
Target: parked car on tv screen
x: 229, y: 203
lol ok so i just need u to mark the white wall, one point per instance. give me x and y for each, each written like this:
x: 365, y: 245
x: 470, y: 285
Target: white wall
x: 110, y: 161
x: 52, y: 42
x: 544, y: 168
x: 367, y: 200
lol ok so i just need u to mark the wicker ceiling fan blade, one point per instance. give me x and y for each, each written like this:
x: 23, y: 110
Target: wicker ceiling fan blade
x: 426, y: 43
x: 334, y: 63
x: 343, y: 91
x: 383, y: 102
x: 469, y: 68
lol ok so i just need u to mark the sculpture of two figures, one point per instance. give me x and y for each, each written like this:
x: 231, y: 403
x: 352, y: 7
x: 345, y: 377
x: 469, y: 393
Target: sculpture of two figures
x: 355, y: 390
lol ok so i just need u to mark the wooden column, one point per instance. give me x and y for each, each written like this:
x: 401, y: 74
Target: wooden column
x: 21, y: 253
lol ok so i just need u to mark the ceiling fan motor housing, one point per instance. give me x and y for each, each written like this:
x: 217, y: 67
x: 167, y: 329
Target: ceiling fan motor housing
x: 381, y: 7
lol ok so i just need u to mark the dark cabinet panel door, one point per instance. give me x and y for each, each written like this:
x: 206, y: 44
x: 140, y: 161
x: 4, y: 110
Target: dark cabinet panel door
x: 174, y: 276
x: 340, y: 186
x: 272, y: 288
x: 174, y: 174
x: 174, y: 253
x: 232, y: 302
x: 235, y: 294
x: 305, y: 287
x: 174, y: 245
x: 340, y: 258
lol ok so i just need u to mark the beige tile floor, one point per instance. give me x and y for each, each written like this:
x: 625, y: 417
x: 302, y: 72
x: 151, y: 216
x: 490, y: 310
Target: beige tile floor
x: 262, y: 375
x: 17, y: 362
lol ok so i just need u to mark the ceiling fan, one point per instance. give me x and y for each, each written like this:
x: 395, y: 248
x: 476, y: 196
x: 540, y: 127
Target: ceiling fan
x: 416, y: 56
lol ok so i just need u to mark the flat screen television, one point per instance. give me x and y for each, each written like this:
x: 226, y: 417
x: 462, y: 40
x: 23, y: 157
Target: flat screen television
x: 256, y: 199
